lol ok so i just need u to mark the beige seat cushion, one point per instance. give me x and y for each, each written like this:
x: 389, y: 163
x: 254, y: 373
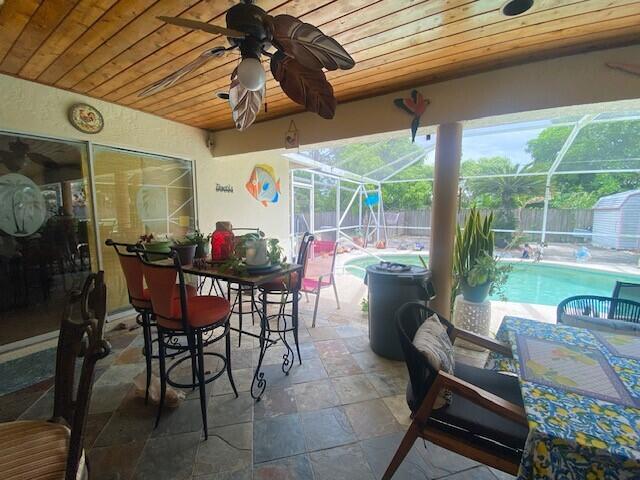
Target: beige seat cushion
x: 35, y: 450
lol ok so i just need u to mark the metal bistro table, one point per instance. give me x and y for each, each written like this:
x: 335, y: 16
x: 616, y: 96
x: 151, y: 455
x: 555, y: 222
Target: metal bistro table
x: 581, y: 392
x: 214, y: 272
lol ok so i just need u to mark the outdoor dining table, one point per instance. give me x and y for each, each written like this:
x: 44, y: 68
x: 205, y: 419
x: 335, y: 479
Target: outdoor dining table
x: 581, y: 393
x: 254, y: 280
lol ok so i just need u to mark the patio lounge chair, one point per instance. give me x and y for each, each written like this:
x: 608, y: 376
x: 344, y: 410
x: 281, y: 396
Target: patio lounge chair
x: 319, y: 272
x: 600, y: 313
x: 54, y: 449
x: 485, y: 420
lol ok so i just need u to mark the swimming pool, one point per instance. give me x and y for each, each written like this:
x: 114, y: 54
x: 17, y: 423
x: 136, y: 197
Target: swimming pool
x: 540, y: 283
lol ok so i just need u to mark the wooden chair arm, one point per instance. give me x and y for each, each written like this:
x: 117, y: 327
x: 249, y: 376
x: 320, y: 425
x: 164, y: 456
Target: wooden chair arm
x: 476, y: 394
x: 481, y: 341
x: 483, y: 398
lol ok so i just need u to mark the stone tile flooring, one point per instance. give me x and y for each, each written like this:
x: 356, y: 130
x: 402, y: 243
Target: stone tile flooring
x: 341, y: 415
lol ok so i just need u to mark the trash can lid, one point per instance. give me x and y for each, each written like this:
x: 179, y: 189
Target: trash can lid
x: 393, y: 271
x: 392, y: 267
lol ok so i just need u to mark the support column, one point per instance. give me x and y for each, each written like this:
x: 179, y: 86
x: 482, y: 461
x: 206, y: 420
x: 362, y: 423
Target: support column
x: 443, y: 213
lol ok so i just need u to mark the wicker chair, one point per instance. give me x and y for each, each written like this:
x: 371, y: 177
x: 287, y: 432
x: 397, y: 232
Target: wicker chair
x: 485, y: 420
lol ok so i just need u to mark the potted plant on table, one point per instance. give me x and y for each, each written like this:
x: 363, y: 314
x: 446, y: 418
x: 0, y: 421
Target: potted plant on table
x: 203, y: 247
x: 160, y: 244
x: 186, y: 249
x: 477, y: 272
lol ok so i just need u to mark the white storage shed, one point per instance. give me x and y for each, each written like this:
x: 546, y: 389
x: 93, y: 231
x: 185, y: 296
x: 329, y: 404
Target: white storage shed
x: 616, y: 221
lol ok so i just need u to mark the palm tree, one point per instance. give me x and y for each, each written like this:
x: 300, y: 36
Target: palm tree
x: 505, y: 187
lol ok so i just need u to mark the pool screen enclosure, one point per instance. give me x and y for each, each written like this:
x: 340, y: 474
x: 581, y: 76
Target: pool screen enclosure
x: 541, y: 177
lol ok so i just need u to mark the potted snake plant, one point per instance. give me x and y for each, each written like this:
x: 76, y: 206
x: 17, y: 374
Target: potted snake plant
x: 477, y: 272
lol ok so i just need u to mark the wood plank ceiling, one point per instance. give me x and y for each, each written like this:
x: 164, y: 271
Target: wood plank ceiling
x: 112, y: 49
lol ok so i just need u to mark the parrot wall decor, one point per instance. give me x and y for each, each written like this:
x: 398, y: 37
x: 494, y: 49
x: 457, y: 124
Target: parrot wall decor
x: 415, y: 106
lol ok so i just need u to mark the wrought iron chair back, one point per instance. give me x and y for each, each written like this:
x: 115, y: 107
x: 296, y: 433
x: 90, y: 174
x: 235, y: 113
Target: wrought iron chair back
x: 132, y: 270
x: 161, y: 279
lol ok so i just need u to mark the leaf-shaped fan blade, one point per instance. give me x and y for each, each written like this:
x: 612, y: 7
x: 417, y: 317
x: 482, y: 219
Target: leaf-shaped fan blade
x: 42, y: 160
x: 177, y: 75
x: 10, y: 160
x: 304, y: 86
x: 308, y: 45
x: 205, y: 27
x: 245, y: 103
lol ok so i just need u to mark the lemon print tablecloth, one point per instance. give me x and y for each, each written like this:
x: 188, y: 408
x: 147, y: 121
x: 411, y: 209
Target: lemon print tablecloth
x: 581, y: 393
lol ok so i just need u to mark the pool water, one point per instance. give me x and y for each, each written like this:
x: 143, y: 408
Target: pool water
x: 544, y: 284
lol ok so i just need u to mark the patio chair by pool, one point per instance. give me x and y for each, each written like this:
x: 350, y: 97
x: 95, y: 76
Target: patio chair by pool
x: 54, y: 449
x: 484, y: 420
x: 627, y: 291
x: 600, y: 313
x: 319, y: 271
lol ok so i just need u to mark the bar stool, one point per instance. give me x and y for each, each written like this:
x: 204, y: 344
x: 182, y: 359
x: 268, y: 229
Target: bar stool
x: 140, y: 298
x: 197, y: 318
x: 281, y: 293
x: 243, y: 295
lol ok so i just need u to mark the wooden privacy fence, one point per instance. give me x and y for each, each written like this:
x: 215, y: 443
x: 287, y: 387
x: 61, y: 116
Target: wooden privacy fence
x: 416, y: 223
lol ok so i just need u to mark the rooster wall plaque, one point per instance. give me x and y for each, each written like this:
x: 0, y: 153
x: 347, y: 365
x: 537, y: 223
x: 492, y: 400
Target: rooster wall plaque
x: 302, y: 52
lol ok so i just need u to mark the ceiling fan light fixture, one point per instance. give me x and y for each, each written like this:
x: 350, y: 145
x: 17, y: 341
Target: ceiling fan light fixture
x: 516, y: 7
x: 251, y: 74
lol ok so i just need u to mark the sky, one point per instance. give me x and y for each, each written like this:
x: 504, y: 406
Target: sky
x: 502, y: 140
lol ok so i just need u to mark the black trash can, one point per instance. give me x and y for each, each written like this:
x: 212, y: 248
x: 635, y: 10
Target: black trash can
x: 391, y: 285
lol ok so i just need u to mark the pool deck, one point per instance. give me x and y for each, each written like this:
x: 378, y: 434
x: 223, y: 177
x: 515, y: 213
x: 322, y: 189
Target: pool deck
x: 597, y: 262
x: 354, y: 291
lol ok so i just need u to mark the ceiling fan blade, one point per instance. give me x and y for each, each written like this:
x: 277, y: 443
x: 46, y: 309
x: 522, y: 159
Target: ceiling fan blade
x: 205, y: 27
x: 10, y: 160
x: 304, y: 86
x: 178, y: 74
x: 245, y: 103
x: 307, y: 44
x: 42, y: 160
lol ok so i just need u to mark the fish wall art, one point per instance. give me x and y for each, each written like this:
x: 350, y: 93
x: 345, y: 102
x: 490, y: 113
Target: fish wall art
x: 263, y: 184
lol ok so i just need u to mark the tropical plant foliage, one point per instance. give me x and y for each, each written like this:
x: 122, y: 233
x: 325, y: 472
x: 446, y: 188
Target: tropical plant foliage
x: 473, y: 260
x: 472, y: 242
x: 508, y: 184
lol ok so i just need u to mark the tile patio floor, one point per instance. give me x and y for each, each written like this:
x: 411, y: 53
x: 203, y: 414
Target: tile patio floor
x: 340, y: 415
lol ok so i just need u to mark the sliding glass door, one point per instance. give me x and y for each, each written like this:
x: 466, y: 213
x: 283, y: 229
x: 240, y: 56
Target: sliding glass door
x: 46, y: 231
x: 138, y: 194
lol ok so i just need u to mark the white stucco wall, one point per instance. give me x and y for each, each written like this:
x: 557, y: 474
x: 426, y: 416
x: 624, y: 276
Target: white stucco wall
x: 240, y: 208
x: 28, y: 107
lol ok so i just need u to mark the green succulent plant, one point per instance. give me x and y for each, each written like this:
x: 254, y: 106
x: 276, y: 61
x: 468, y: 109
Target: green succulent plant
x: 473, y: 259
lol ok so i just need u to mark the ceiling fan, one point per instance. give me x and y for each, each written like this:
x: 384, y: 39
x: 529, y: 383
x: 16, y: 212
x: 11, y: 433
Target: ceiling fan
x: 18, y: 155
x: 302, y: 51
